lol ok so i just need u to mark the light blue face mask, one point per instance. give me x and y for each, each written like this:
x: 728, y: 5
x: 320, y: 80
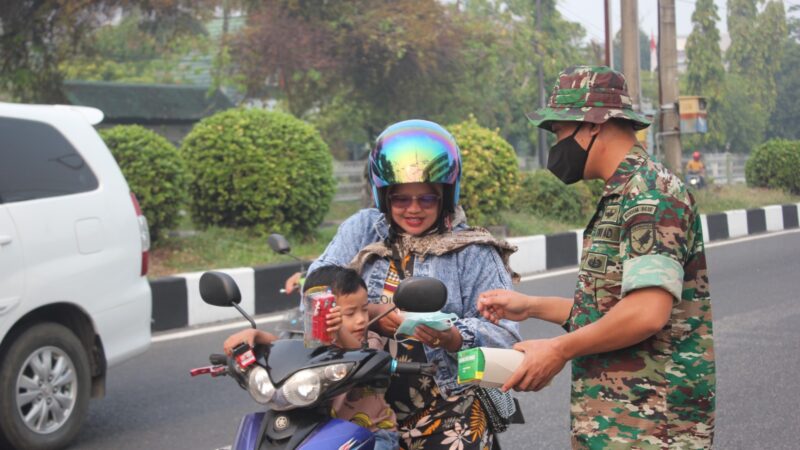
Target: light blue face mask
x: 437, y: 320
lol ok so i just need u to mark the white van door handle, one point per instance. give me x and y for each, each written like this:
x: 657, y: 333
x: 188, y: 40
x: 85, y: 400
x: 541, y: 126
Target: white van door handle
x: 5, y: 239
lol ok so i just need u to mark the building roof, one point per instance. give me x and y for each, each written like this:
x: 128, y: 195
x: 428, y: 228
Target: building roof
x: 147, y: 103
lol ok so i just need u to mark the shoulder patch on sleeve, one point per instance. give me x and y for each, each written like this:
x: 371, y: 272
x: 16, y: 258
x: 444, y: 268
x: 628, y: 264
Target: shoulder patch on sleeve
x: 611, y: 213
x: 639, y: 209
x: 608, y: 233
x: 642, y: 237
x: 595, y: 262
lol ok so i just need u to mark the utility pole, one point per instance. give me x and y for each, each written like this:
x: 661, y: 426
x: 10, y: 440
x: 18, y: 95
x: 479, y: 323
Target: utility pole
x: 609, y: 38
x: 630, y: 49
x: 668, y: 86
x: 542, y: 141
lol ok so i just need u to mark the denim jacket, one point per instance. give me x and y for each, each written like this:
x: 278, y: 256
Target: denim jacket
x: 466, y: 273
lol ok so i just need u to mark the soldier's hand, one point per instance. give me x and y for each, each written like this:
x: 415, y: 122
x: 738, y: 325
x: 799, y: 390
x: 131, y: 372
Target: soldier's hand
x: 503, y: 304
x: 543, y: 361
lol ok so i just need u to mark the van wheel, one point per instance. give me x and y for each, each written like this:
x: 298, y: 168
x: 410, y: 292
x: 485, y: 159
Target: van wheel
x: 44, y: 388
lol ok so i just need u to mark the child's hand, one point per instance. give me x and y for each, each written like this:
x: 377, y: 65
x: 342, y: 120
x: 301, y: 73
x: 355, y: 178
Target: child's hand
x: 334, y: 321
x: 250, y: 337
x: 245, y: 336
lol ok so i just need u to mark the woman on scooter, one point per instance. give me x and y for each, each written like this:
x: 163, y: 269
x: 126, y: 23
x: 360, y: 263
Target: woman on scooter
x: 417, y: 228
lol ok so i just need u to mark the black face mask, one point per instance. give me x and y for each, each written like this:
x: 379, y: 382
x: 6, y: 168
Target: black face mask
x: 567, y: 158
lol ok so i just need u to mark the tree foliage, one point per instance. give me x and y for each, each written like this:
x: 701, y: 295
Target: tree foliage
x: 744, y: 120
x: 369, y: 62
x: 756, y: 43
x: 135, y: 50
x: 36, y: 37
x: 705, y: 73
x: 783, y: 122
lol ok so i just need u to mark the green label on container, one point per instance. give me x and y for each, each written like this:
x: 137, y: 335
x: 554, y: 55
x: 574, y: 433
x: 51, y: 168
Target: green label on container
x: 470, y: 365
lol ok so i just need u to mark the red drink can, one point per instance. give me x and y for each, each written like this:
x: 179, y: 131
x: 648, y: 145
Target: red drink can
x: 322, y: 306
x: 317, y: 303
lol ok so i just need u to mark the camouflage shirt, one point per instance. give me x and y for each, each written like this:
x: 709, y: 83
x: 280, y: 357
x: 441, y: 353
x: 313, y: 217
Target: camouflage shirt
x: 659, y: 393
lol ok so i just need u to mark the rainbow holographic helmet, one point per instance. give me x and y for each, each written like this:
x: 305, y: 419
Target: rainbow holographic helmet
x: 415, y: 151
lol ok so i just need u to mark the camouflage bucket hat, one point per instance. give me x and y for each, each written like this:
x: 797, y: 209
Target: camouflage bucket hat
x: 592, y: 94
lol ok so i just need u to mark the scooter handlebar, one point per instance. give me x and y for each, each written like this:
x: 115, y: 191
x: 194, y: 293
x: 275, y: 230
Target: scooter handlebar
x: 218, y: 359
x: 413, y: 368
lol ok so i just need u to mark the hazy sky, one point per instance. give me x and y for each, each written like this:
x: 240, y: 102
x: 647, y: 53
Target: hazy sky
x: 590, y: 14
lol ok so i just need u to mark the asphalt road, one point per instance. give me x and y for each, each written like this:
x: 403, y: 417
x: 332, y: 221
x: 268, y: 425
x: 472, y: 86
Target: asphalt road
x: 153, y: 403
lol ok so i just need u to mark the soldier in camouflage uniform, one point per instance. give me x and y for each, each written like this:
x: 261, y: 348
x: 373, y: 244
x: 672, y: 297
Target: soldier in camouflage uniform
x: 639, y: 326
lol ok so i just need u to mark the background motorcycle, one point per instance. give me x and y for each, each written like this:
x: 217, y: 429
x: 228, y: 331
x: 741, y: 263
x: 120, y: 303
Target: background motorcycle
x: 297, y: 384
x: 695, y: 180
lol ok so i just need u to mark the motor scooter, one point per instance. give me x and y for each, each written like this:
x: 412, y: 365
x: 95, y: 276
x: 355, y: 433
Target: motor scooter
x: 695, y: 180
x: 297, y: 384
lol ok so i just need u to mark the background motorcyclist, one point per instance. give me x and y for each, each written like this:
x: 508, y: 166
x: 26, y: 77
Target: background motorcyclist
x: 695, y: 167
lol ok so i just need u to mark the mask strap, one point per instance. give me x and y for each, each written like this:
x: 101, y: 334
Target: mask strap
x: 592, y: 142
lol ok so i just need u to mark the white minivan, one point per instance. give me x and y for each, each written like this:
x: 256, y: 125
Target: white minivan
x: 74, y: 298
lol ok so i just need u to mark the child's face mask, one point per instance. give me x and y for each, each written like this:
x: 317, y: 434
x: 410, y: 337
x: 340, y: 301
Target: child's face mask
x: 437, y: 320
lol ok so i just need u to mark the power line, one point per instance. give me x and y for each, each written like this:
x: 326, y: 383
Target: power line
x: 584, y: 23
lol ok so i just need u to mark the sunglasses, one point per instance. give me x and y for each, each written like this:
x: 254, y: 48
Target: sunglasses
x: 426, y: 201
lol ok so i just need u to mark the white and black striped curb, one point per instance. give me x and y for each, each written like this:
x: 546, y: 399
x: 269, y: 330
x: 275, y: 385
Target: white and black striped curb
x: 177, y: 303
x: 553, y: 251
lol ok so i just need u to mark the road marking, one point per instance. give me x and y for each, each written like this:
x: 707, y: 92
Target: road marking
x: 213, y: 329
x: 556, y: 273
x: 569, y: 270
x: 751, y: 238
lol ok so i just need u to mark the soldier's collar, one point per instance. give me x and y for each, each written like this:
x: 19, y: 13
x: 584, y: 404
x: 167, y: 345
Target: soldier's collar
x: 633, y: 160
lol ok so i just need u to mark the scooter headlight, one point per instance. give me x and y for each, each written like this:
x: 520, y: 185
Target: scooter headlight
x: 259, y: 385
x: 305, y: 387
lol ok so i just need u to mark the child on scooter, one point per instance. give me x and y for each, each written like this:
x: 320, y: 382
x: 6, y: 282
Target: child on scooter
x: 347, y: 323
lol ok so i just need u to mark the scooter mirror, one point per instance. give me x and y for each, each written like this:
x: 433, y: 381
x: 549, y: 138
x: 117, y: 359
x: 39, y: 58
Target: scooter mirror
x: 219, y: 289
x: 420, y: 294
x: 278, y: 244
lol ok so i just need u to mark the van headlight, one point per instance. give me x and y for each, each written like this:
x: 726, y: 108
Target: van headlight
x: 304, y: 387
x: 259, y: 385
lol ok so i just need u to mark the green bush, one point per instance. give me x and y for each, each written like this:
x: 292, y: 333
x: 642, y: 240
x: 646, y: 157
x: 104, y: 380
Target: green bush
x: 262, y: 169
x: 155, y: 171
x: 775, y: 164
x: 490, y: 174
x: 544, y: 195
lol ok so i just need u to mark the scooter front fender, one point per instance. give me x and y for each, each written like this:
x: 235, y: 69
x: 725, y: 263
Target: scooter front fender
x: 248, y: 436
x: 262, y: 430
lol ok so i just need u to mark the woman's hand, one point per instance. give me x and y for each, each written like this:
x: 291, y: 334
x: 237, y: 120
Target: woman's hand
x: 449, y: 340
x: 387, y: 325
x: 250, y: 337
x: 292, y: 283
x: 503, y: 304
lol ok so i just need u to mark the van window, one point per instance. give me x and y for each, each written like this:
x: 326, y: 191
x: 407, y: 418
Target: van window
x: 36, y: 161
